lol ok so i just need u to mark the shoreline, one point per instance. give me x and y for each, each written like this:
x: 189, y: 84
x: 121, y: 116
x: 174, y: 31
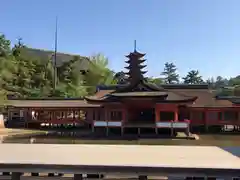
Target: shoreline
x: 10, y: 133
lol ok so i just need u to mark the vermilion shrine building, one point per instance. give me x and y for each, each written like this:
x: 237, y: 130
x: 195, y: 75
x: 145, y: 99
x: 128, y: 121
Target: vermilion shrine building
x: 138, y: 104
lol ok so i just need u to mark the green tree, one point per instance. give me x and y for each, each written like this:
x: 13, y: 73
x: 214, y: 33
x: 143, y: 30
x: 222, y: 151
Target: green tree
x: 193, y: 77
x: 170, y: 74
x: 156, y: 81
x: 31, y: 75
x: 220, y: 82
x: 3, y: 100
x: 234, y: 81
x: 121, y: 77
x: 98, y: 74
x: 5, y: 46
x: 211, y: 82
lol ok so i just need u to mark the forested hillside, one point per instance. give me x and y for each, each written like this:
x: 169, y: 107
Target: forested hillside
x: 28, y: 72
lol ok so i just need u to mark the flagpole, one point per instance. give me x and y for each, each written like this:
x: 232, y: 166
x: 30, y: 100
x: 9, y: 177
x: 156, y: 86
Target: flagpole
x: 55, y: 57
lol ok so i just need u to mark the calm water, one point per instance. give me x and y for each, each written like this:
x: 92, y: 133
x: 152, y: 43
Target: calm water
x: 223, y: 140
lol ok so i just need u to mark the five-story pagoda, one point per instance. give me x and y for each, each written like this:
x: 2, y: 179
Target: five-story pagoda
x: 139, y: 104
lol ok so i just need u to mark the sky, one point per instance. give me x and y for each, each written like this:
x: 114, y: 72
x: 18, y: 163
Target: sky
x: 199, y: 35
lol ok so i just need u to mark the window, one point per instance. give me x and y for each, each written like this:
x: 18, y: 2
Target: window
x: 96, y: 115
x: 166, y: 116
x: 230, y: 115
x: 212, y: 115
x: 116, y: 115
x: 43, y: 115
x: 82, y: 115
x: 59, y: 114
x: 197, y: 115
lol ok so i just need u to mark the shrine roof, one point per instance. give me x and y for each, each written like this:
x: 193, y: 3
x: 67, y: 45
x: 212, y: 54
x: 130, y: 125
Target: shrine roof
x: 139, y: 94
x: 170, y: 96
x: 204, y: 97
x: 48, y: 103
x: 164, y: 86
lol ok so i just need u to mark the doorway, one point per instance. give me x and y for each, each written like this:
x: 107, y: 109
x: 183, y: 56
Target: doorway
x: 183, y: 113
x: 142, y: 116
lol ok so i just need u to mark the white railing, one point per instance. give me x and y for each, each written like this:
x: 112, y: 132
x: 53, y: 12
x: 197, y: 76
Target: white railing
x: 106, y: 124
x: 115, y: 124
x: 172, y: 124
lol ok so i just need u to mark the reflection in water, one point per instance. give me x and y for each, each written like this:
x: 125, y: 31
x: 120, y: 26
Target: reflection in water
x: 80, y: 138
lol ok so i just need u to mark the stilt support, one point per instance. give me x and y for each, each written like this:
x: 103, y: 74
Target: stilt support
x: 122, y: 131
x: 6, y: 173
x: 16, y: 176
x: 50, y: 174
x: 142, y: 177
x: 107, y: 131
x: 34, y: 174
x: 139, y: 131
x: 78, y: 177
x: 93, y: 128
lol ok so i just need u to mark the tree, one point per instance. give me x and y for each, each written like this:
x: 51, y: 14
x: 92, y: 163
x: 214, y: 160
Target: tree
x: 234, y: 81
x: 3, y: 100
x: 193, y: 77
x: 220, y: 82
x: 211, y: 83
x: 5, y: 48
x: 121, y: 77
x: 156, y: 81
x: 98, y: 73
x: 170, y: 73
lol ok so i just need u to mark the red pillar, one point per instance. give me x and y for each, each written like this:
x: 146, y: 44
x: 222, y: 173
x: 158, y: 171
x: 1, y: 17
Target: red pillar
x: 176, y: 115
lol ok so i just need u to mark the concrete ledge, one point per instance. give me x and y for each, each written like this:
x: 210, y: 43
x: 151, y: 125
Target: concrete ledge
x: 126, y: 159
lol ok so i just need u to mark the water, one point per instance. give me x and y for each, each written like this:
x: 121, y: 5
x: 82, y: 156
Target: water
x: 223, y: 140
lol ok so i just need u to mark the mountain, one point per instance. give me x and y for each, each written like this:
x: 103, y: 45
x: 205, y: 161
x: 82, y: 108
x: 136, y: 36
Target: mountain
x: 61, y: 57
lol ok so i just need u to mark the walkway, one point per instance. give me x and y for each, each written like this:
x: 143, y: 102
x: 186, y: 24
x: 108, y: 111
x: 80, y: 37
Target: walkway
x: 110, y: 159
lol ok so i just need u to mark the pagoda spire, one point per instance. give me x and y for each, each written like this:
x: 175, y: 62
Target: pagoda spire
x: 135, y: 66
x: 135, y: 45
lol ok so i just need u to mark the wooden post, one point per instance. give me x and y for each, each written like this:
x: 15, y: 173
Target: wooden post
x: 16, y: 176
x: 238, y: 118
x: 171, y: 128
x: 78, y: 177
x: 107, y: 130
x: 93, y: 126
x: 106, y: 118
x: 206, y: 120
x: 176, y: 115
x: 156, y: 119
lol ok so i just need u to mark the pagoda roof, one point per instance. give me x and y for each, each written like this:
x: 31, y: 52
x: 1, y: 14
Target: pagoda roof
x: 135, y: 53
x: 138, y: 86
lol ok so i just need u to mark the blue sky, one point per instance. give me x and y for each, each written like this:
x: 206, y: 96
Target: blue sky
x: 193, y: 34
